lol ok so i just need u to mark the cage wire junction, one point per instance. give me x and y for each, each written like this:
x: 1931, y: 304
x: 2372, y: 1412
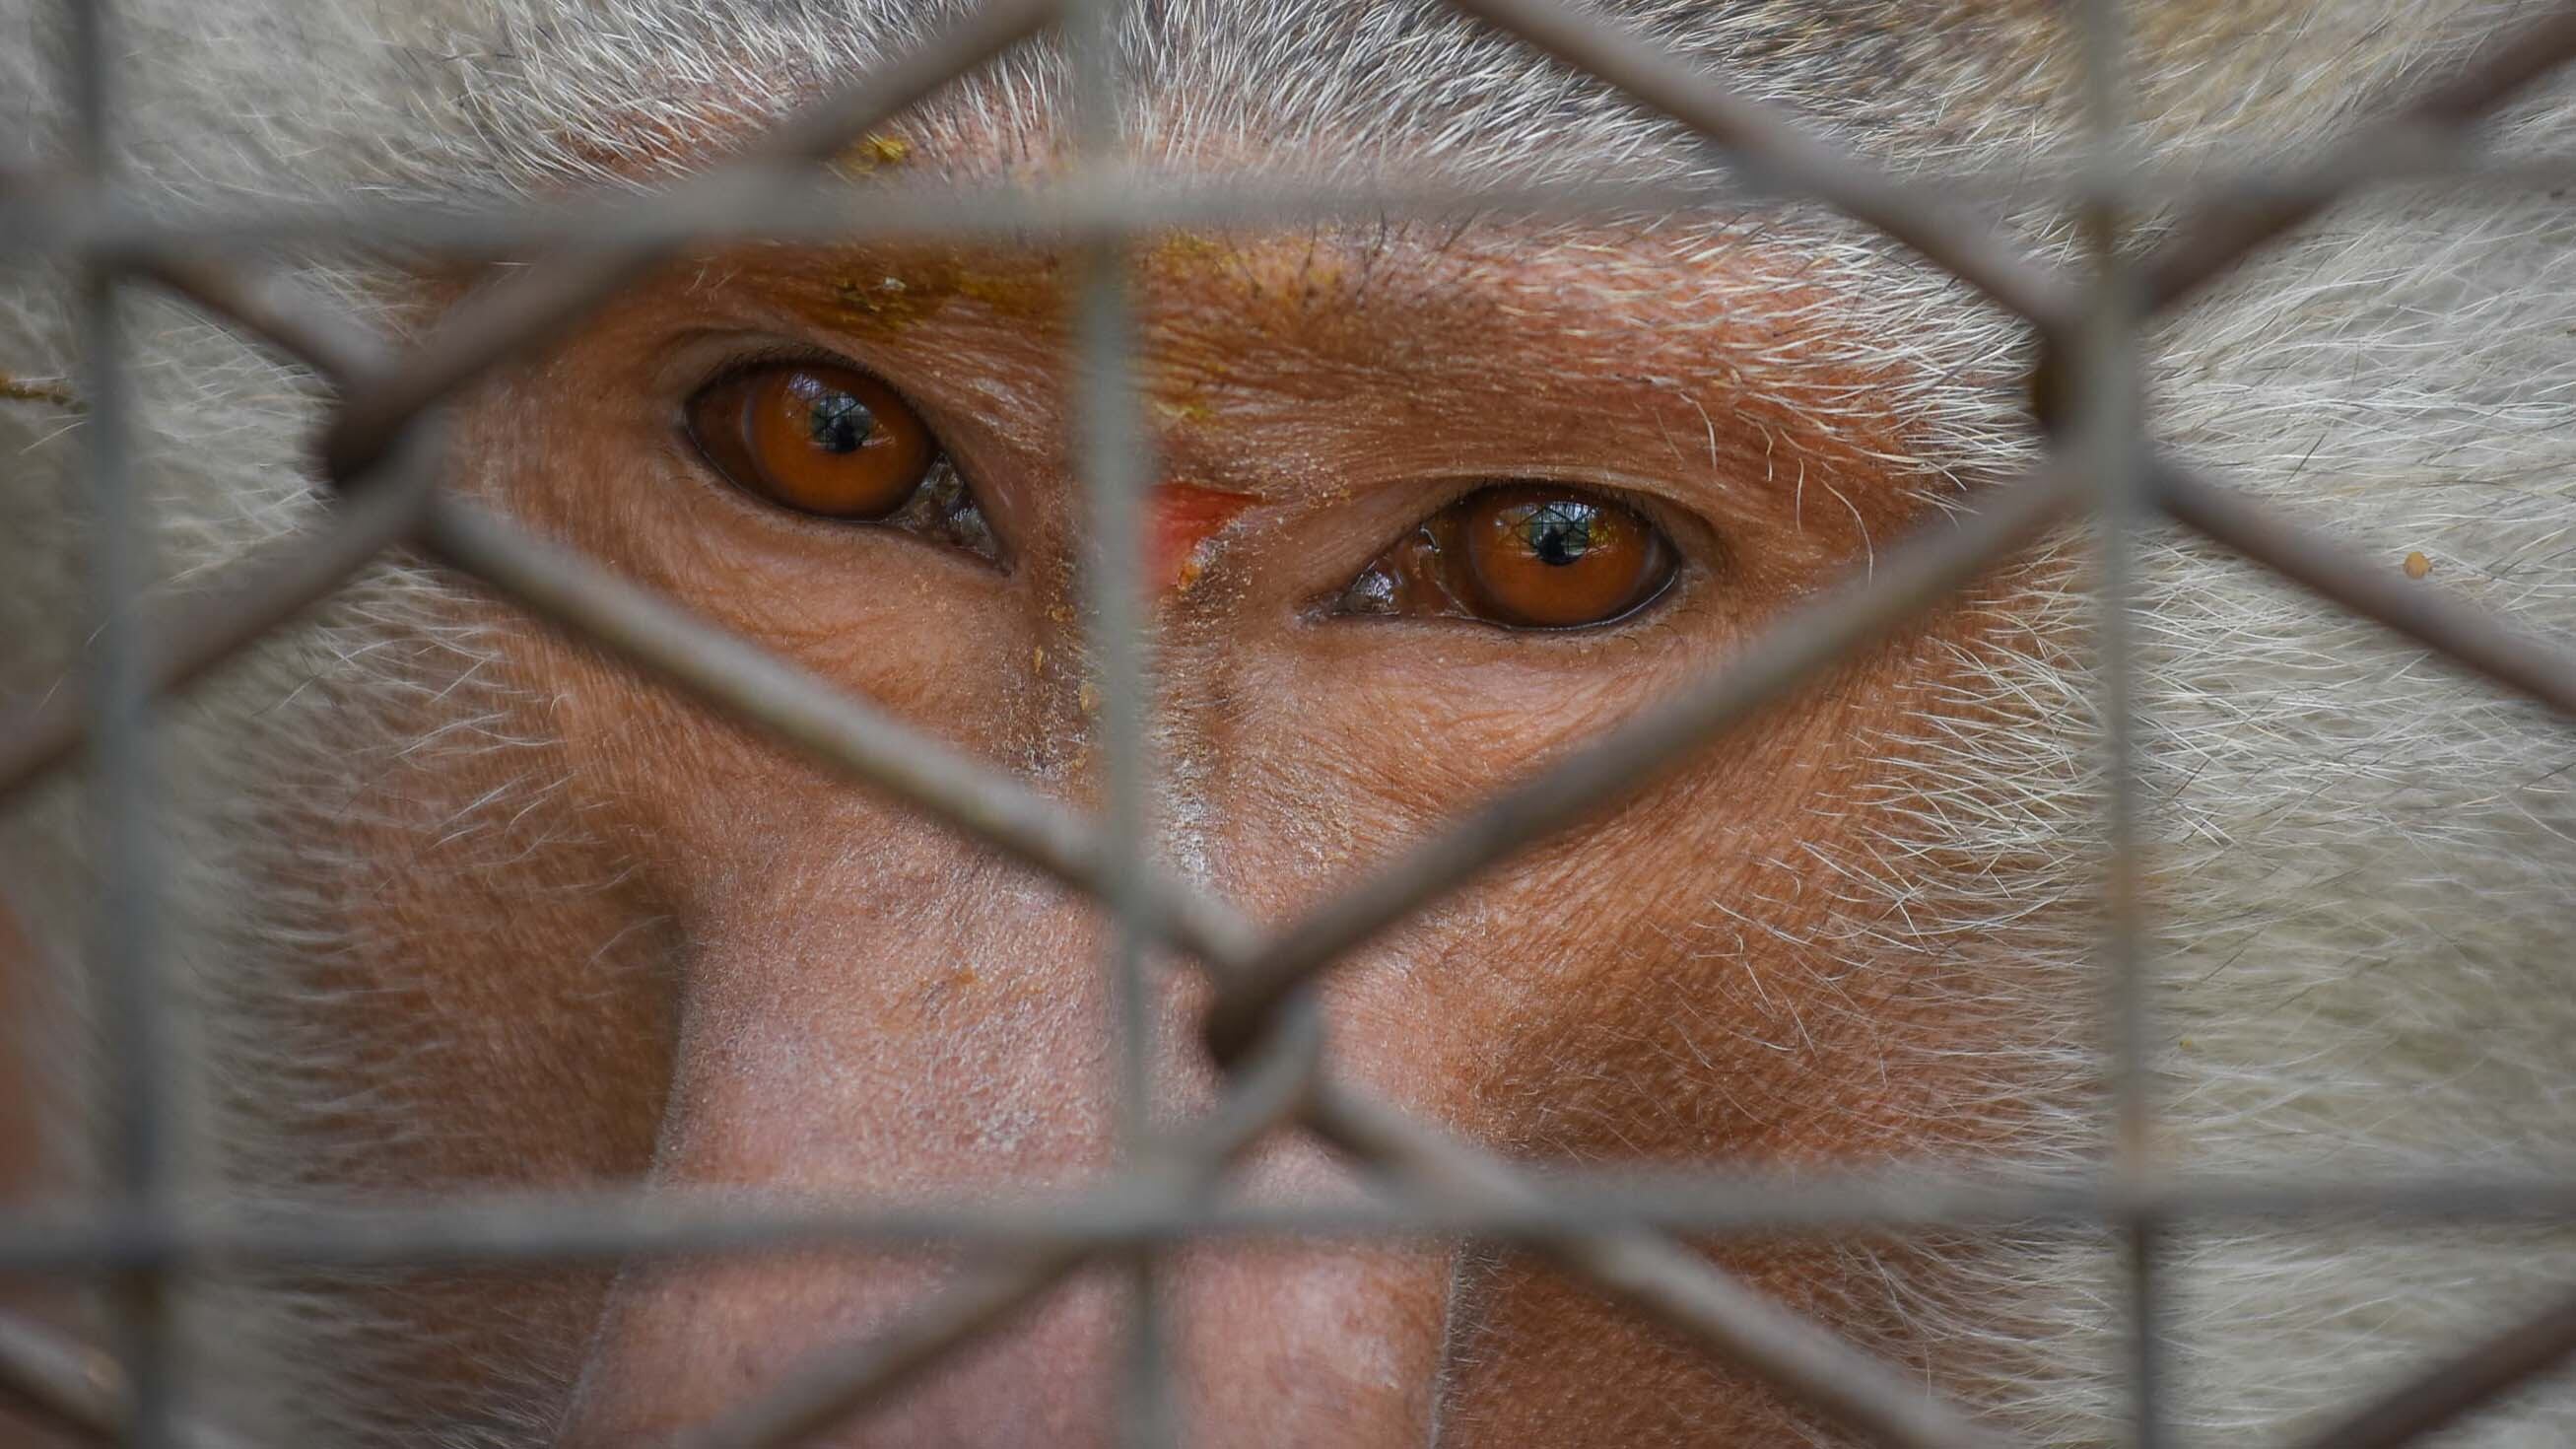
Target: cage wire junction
x: 382, y: 456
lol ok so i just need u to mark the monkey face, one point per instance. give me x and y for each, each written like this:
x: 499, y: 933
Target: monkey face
x: 466, y: 906
x: 1418, y: 527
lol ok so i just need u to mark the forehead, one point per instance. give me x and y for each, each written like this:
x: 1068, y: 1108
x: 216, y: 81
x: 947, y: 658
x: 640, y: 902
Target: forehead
x: 1735, y: 353
x: 1347, y: 296
x: 1347, y: 87
x: 1313, y: 87
x: 1360, y: 94
x: 1779, y: 309
x: 1506, y: 345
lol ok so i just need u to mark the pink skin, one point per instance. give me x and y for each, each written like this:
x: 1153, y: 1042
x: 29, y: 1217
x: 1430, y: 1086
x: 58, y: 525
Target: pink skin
x: 855, y: 1002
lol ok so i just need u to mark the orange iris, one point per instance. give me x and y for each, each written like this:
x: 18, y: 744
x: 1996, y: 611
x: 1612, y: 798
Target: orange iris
x: 1547, y: 557
x: 814, y: 437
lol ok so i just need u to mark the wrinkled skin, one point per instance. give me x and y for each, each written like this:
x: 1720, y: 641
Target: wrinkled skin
x: 588, y: 933
x: 599, y: 935
x: 463, y: 906
x: 862, y: 1002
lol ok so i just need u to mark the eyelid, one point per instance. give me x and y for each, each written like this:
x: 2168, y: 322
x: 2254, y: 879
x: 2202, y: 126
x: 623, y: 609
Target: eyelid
x: 1678, y: 511
x: 741, y: 363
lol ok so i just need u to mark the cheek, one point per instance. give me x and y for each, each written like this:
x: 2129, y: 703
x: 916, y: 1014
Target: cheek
x: 1547, y: 1362
x: 979, y: 660
x: 1699, y: 972
x: 1700, y: 976
x: 1358, y: 739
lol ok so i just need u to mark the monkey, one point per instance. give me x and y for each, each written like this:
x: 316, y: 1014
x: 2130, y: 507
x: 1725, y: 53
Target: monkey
x: 454, y: 904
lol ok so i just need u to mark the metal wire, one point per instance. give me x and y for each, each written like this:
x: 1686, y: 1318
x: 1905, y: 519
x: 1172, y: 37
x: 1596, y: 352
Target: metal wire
x: 168, y: 237
x: 285, y: 579
x: 1667, y: 1282
x: 1264, y: 1025
x: 125, y: 986
x: 2107, y: 436
x: 1116, y: 467
x: 519, y: 1228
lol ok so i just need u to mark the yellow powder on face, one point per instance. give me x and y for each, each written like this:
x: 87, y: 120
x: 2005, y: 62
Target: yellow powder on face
x: 884, y: 300
x: 870, y: 154
x: 891, y: 295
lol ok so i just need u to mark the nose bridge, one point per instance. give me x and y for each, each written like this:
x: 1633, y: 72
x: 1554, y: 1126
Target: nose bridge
x: 919, y: 1026
x: 935, y: 1036
x: 938, y: 1023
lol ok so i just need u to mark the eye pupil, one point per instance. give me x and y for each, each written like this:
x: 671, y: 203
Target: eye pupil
x: 841, y: 423
x: 1558, y: 533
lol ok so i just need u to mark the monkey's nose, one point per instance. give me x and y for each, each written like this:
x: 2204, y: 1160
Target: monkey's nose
x: 1262, y: 1347
x: 923, y: 1055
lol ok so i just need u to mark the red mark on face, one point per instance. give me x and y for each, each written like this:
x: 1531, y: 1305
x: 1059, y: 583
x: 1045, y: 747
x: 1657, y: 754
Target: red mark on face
x: 1181, y: 517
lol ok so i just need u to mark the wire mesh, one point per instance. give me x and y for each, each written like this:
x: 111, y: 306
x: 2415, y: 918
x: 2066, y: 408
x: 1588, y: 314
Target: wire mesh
x: 383, y: 455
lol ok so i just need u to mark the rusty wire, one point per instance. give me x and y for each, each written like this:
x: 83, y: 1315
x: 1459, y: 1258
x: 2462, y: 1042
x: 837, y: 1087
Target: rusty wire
x: 382, y: 448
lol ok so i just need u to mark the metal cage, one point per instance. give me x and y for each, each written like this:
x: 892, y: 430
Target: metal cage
x: 383, y: 459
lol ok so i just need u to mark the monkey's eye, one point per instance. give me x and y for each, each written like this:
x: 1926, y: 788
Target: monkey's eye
x: 834, y: 442
x: 1524, y: 555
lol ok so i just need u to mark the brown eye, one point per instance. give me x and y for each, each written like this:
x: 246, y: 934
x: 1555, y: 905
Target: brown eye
x: 1527, y: 555
x: 1546, y: 559
x: 816, y: 438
